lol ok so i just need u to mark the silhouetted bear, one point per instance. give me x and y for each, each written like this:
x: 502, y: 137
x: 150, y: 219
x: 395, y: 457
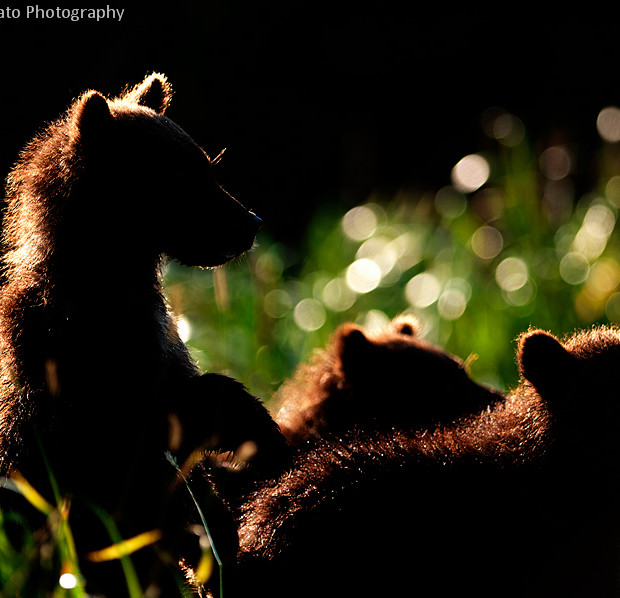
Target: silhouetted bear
x: 389, y: 378
x: 520, y: 499
x: 93, y: 369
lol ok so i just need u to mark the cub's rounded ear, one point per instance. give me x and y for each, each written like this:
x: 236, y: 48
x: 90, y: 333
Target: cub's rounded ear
x: 351, y: 345
x: 543, y: 360
x: 154, y: 92
x: 351, y: 337
x: 91, y: 113
x: 406, y: 325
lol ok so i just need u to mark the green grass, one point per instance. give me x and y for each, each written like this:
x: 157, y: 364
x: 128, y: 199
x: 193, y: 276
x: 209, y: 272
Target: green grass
x: 556, y: 266
x: 477, y: 267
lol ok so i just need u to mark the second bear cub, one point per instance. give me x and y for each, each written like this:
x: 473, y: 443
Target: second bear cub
x: 386, y: 379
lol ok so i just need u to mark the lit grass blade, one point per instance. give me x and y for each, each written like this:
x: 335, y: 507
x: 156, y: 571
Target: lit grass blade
x: 59, y: 519
x: 122, y: 554
x: 125, y: 547
x: 70, y: 580
x: 20, y: 484
x: 202, y: 572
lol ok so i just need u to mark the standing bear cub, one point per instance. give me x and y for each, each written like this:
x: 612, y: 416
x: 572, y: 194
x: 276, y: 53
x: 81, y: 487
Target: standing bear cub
x: 93, y: 369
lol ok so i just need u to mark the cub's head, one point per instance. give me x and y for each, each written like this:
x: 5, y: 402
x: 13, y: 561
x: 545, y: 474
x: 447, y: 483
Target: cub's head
x: 389, y: 379
x: 404, y: 379
x: 578, y: 379
x: 147, y: 182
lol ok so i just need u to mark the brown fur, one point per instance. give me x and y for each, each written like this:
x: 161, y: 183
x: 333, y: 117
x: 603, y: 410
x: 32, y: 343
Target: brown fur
x: 517, y: 500
x: 389, y: 378
x: 93, y: 369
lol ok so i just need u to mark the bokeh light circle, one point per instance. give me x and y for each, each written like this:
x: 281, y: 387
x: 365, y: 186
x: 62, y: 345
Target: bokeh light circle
x: 574, y: 268
x: 511, y: 274
x: 470, y: 173
x: 338, y: 295
x: 277, y: 303
x: 423, y: 290
x: 359, y: 223
x: 309, y: 314
x: 487, y: 242
x: 451, y: 304
x: 608, y: 124
x: 363, y: 275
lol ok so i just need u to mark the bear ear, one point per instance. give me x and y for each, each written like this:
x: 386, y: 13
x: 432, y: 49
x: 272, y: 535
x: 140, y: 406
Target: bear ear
x: 351, y: 345
x: 91, y: 113
x: 406, y: 325
x: 543, y: 361
x: 154, y: 92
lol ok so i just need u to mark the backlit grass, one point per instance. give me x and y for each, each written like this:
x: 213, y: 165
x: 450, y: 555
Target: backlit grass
x: 478, y: 261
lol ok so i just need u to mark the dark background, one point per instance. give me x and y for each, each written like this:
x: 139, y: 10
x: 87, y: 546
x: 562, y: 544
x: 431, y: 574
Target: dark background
x: 318, y: 101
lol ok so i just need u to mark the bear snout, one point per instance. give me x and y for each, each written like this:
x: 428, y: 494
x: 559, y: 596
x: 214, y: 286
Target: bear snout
x: 238, y: 237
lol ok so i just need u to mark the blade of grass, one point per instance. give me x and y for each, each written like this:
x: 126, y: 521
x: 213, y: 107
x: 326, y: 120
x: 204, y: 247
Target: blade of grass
x: 18, y: 483
x: 131, y: 577
x: 124, y: 547
x: 58, y: 521
x: 62, y: 531
x: 203, y: 520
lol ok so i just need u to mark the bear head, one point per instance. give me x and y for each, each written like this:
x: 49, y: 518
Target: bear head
x: 577, y: 377
x: 391, y: 378
x: 167, y: 199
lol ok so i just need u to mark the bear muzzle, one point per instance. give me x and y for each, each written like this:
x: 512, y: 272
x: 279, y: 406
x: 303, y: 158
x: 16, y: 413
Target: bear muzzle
x: 244, y: 238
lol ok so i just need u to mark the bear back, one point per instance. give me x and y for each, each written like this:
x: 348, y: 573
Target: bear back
x: 519, y: 499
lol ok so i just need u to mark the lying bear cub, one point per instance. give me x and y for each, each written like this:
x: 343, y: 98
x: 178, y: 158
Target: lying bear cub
x: 391, y: 378
x: 516, y: 498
